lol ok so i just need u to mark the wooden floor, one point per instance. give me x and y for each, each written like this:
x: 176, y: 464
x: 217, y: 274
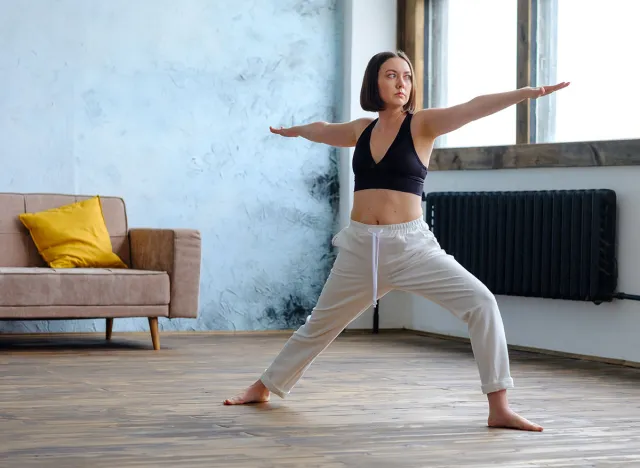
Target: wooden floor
x: 389, y: 400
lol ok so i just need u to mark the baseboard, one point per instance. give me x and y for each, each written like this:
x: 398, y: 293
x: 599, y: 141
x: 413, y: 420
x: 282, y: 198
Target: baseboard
x: 528, y: 349
x: 367, y: 331
x: 162, y: 332
x: 285, y: 332
x: 348, y: 331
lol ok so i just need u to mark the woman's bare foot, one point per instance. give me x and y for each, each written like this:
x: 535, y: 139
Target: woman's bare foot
x: 500, y: 415
x: 512, y: 420
x: 256, y: 393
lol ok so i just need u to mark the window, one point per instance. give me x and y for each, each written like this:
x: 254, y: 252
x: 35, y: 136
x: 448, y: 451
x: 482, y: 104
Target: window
x: 592, y: 44
x: 473, y: 52
x: 476, y: 47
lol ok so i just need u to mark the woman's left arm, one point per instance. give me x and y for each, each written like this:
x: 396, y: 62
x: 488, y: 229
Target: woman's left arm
x: 436, y: 122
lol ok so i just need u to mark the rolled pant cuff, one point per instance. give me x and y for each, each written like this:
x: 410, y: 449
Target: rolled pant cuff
x: 272, y: 388
x: 497, y: 386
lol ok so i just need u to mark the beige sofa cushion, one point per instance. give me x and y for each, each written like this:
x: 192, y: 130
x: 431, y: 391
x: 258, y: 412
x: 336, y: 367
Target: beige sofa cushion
x: 16, y: 246
x: 80, y: 312
x: 82, y: 287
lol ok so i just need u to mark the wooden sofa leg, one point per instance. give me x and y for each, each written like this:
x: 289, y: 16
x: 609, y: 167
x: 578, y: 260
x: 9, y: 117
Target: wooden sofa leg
x: 155, y: 336
x: 109, y: 328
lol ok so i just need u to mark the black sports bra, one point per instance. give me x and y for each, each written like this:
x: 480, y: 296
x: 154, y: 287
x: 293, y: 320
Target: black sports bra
x: 400, y: 169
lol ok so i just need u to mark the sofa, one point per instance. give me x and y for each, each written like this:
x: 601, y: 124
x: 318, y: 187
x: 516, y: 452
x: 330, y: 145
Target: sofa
x: 161, y: 278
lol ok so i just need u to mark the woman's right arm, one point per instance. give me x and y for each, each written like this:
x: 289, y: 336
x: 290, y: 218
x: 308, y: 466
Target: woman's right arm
x: 333, y: 134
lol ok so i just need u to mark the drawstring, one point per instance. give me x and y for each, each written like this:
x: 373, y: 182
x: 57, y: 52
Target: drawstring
x: 376, y: 232
x: 375, y: 253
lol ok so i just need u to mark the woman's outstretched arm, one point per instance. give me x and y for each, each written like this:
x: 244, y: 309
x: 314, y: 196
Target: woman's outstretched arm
x: 436, y: 122
x: 334, y: 134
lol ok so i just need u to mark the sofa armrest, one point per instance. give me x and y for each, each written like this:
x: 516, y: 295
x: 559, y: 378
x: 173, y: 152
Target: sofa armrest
x: 178, y: 252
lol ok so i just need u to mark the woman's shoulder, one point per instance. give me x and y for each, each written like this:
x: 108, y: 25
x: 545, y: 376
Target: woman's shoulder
x: 360, y: 125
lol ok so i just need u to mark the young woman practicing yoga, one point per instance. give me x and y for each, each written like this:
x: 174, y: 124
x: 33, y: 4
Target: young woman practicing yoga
x: 387, y: 244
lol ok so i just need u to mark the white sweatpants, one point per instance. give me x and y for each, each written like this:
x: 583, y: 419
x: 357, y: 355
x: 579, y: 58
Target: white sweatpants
x: 374, y: 259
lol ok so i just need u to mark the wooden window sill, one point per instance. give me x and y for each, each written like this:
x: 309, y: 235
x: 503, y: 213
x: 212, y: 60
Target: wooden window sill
x: 570, y: 154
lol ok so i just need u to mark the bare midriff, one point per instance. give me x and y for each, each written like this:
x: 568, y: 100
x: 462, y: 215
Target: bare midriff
x: 380, y: 207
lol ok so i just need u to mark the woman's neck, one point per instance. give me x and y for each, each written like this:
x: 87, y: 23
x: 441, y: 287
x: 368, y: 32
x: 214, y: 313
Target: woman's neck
x: 391, y: 116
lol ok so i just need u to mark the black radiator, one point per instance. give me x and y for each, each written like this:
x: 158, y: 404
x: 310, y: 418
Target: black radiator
x: 553, y: 244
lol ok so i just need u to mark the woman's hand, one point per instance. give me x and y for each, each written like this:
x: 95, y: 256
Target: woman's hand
x: 544, y: 90
x: 291, y: 132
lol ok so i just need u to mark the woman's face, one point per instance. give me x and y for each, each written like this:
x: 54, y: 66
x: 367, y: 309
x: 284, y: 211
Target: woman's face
x: 395, y: 82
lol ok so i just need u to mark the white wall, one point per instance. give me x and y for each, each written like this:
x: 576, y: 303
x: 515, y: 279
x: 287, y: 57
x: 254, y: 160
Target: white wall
x: 608, y: 330
x: 369, y: 28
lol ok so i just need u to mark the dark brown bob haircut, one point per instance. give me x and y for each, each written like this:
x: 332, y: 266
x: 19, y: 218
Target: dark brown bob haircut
x: 370, y: 99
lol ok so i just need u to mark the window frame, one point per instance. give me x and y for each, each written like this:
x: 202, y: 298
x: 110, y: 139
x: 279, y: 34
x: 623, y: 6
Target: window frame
x: 535, y: 120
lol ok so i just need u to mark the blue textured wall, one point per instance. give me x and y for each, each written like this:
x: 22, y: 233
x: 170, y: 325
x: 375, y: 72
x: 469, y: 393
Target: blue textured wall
x: 168, y: 104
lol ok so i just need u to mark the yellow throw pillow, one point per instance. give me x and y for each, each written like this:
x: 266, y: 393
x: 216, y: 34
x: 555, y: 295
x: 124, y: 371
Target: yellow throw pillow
x: 73, y: 235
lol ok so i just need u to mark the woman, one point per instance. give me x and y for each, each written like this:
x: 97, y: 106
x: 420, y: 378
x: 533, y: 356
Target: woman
x: 387, y: 245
